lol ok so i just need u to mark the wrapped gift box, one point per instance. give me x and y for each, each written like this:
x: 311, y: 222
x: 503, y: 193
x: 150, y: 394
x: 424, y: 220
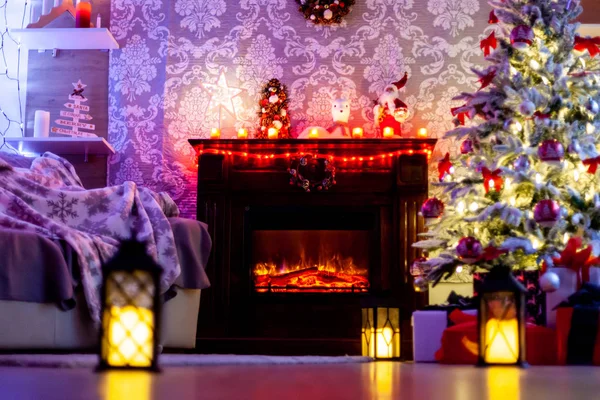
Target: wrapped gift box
x: 577, y: 328
x: 535, y: 309
x: 570, y: 281
x: 428, y: 328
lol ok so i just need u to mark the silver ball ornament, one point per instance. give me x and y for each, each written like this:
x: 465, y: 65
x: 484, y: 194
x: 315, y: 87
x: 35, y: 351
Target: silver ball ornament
x: 593, y: 106
x: 527, y: 108
x: 549, y: 282
x: 421, y: 284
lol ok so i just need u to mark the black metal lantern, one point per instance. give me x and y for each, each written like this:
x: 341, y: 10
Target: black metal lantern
x: 380, y: 334
x: 501, y: 319
x: 130, y: 316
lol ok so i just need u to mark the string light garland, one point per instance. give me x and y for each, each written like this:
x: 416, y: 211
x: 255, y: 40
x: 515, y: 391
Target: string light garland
x: 343, y: 158
x: 6, y: 74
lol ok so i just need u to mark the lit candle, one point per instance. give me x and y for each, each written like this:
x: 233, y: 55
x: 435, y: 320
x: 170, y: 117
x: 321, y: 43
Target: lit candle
x: 130, y: 336
x: 357, y: 133
x: 422, y: 133
x: 502, y: 338
x: 388, y: 132
x: 83, y: 14
x: 243, y: 133
x: 273, y: 133
x: 215, y: 133
x: 313, y: 134
x: 386, y: 342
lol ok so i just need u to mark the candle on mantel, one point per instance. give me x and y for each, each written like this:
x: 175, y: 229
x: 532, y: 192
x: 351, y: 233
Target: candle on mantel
x: 357, y: 133
x: 83, y: 14
x: 313, y: 134
x: 273, y: 133
x: 215, y: 133
x: 422, y: 133
x: 243, y: 133
x: 388, y: 132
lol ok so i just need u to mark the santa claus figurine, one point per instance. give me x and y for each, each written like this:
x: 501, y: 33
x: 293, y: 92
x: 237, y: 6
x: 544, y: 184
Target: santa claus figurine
x: 390, y: 111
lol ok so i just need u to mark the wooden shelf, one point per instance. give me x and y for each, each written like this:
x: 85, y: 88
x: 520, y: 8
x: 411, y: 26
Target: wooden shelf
x: 66, y: 38
x: 61, y: 145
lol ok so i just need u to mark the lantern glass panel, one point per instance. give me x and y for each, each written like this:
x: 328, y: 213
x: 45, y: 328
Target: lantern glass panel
x: 381, y: 332
x: 128, y: 319
x: 500, y: 316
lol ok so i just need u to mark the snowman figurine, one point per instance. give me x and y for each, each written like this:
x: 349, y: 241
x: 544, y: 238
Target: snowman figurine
x: 390, y: 111
x: 340, y: 112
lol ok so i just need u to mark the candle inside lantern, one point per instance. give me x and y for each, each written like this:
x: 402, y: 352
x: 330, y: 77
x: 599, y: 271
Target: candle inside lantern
x: 313, y: 134
x: 357, y: 133
x: 273, y: 133
x: 422, y: 133
x: 242, y: 133
x: 388, y: 132
x: 215, y: 133
x: 502, y: 341
x: 130, y: 336
x: 83, y: 14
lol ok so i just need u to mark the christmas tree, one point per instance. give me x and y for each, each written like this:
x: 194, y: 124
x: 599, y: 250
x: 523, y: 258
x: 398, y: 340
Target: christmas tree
x: 76, y: 113
x: 273, y: 111
x: 525, y: 183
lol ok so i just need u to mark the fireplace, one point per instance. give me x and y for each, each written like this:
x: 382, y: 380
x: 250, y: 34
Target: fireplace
x: 290, y: 269
x: 311, y: 250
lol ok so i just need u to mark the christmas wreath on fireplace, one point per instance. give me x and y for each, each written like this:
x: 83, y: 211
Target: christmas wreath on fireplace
x: 325, y: 12
x: 312, y: 173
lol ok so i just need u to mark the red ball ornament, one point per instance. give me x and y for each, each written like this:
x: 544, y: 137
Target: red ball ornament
x: 469, y: 249
x: 522, y: 37
x: 546, y: 213
x: 551, y: 151
x: 264, y: 102
x: 432, y: 208
x: 466, y: 147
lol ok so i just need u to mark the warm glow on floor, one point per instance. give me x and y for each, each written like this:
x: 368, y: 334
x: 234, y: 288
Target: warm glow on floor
x: 502, y: 346
x: 503, y: 383
x: 130, y: 385
x: 130, y: 335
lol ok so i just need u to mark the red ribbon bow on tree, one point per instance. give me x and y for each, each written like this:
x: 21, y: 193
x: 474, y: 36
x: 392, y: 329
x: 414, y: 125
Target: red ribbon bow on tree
x: 487, y: 44
x: 577, y: 260
x: 445, y: 167
x: 487, y: 79
x: 592, y: 164
x: 461, y: 116
x: 492, y: 179
x: 589, y: 44
x: 493, y: 18
x: 490, y: 253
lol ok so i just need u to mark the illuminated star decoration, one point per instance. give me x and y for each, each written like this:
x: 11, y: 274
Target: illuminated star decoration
x: 222, y: 95
x: 78, y: 89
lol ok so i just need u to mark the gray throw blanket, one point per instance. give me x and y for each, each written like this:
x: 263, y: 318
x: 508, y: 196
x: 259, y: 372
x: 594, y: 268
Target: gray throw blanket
x: 49, y: 199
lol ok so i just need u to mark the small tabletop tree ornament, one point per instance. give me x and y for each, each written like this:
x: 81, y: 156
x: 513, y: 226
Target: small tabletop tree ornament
x: 76, y: 114
x: 390, y: 111
x: 131, y: 304
x: 273, y: 111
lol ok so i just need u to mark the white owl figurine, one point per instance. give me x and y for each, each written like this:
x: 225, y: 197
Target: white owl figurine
x: 340, y: 112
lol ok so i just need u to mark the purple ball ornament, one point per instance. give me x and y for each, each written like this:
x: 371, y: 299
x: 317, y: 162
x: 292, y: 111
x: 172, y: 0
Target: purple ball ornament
x: 469, y: 249
x: 522, y: 37
x: 466, y: 147
x: 546, y: 213
x: 551, y: 151
x: 522, y: 163
x: 432, y: 208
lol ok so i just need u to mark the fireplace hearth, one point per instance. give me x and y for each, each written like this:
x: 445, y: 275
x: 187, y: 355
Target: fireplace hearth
x: 290, y: 269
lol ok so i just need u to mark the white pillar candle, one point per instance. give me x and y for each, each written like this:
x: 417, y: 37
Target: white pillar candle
x: 41, y: 126
x: 98, y: 21
x: 35, y: 13
x: 57, y: 3
x: 46, y: 6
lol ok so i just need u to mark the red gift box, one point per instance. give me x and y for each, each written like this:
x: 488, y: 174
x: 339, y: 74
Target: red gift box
x: 460, y: 343
x: 577, y: 344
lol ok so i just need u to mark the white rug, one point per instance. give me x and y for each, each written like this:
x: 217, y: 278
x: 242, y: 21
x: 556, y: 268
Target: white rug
x: 171, y: 360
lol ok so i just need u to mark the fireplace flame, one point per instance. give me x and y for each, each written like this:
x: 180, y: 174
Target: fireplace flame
x: 327, y: 274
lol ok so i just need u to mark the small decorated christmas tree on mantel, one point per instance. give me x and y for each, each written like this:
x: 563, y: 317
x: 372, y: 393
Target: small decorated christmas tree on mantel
x: 526, y: 180
x: 77, y: 113
x: 273, y: 112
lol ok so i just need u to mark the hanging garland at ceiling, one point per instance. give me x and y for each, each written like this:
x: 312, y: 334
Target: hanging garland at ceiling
x: 325, y: 12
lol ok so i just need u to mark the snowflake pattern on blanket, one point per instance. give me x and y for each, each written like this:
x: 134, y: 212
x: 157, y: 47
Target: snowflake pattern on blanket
x: 50, y: 199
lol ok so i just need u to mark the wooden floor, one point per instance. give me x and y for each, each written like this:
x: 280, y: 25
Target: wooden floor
x: 311, y: 382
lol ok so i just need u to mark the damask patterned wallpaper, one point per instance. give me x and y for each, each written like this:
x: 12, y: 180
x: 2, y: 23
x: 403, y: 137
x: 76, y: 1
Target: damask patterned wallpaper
x: 173, y: 51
